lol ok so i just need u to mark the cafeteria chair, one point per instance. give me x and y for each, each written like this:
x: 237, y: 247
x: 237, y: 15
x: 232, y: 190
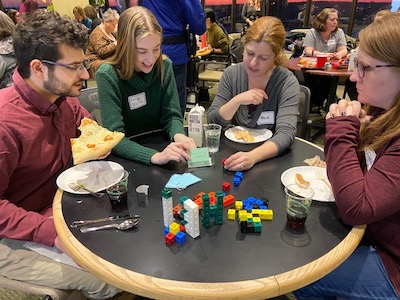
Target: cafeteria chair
x: 304, y: 123
x: 214, y: 74
x: 47, y: 293
x: 89, y: 99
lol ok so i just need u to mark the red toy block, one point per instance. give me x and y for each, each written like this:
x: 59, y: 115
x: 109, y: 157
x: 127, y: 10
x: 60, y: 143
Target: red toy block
x: 176, y: 210
x: 213, y: 200
x: 199, y: 202
x: 226, y: 187
x: 169, y: 238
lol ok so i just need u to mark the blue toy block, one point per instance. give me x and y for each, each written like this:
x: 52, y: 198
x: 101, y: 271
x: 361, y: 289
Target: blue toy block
x: 166, y: 230
x: 259, y: 202
x: 248, y: 207
x: 239, y: 174
x: 180, y: 237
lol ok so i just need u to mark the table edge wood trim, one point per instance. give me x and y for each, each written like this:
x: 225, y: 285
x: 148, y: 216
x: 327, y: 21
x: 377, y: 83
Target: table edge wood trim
x: 310, y: 143
x: 159, y: 288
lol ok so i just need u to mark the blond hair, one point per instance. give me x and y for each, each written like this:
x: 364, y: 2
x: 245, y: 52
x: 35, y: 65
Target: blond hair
x: 269, y: 30
x: 382, y: 13
x: 380, y: 40
x: 134, y: 23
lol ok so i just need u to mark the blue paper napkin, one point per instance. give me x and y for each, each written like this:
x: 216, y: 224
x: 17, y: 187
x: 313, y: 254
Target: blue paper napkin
x: 182, y: 181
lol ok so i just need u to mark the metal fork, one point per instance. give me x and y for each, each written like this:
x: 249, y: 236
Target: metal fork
x: 76, y: 186
x: 321, y: 176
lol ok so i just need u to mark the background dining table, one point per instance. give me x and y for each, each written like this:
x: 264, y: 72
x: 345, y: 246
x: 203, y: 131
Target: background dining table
x: 335, y: 74
x: 222, y: 263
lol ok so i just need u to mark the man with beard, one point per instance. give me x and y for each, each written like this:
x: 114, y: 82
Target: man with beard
x: 39, y: 115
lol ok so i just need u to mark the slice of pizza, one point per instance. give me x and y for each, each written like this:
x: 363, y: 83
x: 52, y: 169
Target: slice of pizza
x: 93, y: 142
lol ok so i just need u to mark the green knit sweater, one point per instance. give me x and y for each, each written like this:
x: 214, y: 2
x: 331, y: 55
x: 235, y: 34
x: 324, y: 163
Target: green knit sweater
x: 157, y: 107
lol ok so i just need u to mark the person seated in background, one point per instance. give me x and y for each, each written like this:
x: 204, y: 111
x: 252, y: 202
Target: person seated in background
x: 251, y: 10
x: 80, y: 16
x: 259, y: 93
x: 362, y: 152
x: 301, y: 16
x: 324, y: 38
x: 91, y: 13
x: 40, y: 113
x: 350, y: 86
x: 7, y: 57
x: 137, y: 91
x: 217, y: 39
x: 102, y: 41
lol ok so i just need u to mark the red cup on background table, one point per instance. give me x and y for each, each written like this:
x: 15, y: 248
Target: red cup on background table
x: 321, y: 60
x: 203, y: 40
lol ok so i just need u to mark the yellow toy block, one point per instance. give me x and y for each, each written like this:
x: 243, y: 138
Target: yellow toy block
x: 242, y: 215
x: 174, y: 228
x: 256, y: 219
x: 266, y: 214
x: 231, y: 214
x: 238, y: 205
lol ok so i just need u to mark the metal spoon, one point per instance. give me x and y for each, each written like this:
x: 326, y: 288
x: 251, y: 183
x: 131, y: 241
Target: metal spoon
x: 120, y: 226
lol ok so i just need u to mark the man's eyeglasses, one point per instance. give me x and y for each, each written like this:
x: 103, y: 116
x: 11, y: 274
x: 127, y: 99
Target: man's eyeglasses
x: 361, y: 68
x: 78, y: 69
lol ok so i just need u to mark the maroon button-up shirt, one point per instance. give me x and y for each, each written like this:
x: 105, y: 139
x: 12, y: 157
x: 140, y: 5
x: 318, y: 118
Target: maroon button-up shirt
x: 34, y: 148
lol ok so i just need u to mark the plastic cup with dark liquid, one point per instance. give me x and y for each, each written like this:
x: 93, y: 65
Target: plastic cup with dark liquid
x: 298, y: 203
x: 118, y: 193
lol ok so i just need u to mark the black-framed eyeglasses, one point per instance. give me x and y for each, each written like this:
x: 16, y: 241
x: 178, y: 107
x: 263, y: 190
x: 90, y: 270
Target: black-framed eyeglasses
x: 361, y: 68
x: 78, y: 69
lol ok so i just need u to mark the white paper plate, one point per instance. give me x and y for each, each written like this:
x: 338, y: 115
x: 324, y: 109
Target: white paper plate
x: 260, y: 135
x: 95, y: 175
x: 321, y: 191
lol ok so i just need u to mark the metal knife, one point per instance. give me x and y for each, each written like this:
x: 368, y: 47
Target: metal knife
x: 79, y: 223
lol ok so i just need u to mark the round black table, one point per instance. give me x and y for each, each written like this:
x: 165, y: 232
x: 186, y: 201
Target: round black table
x: 222, y: 262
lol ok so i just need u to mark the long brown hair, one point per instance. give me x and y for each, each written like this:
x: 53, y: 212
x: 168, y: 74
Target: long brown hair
x: 380, y: 40
x: 269, y: 30
x: 135, y: 23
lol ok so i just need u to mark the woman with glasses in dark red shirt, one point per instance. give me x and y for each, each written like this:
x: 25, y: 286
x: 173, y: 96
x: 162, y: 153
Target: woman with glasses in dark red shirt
x: 362, y: 151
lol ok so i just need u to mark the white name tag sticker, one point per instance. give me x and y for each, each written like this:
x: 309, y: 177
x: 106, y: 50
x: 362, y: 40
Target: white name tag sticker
x: 266, y: 117
x: 137, y: 101
x: 331, y: 42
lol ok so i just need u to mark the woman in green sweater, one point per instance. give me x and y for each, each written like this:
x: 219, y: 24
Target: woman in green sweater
x: 137, y: 91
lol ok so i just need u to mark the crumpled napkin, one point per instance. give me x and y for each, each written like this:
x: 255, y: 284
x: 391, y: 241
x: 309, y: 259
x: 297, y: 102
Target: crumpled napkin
x: 182, y: 181
x: 316, y: 161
